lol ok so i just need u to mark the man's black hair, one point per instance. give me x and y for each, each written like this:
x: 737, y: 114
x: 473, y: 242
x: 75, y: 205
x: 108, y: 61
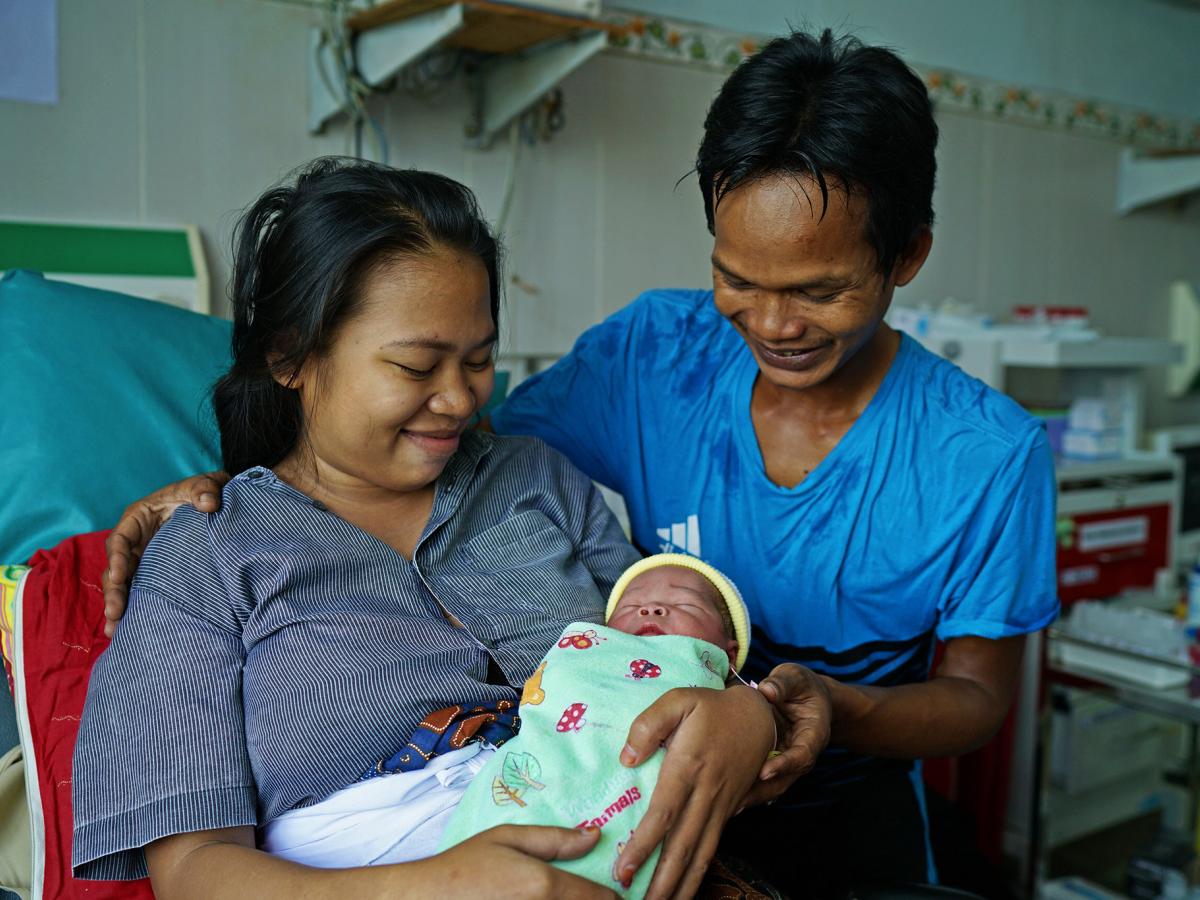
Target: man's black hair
x: 834, y: 110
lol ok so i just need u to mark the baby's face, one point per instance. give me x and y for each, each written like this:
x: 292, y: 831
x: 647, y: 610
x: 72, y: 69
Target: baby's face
x: 672, y: 600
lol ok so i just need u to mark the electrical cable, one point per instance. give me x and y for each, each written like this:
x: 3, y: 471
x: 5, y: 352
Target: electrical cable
x: 424, y: 79
x: 354, y: 90
x: 510, y: 179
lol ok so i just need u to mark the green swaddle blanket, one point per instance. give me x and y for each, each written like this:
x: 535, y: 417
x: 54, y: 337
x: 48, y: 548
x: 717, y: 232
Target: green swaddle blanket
x: 563, y: 768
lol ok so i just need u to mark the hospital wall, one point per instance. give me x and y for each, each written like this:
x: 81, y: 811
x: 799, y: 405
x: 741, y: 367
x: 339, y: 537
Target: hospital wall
x: 1137, y: 52
x: 182, y: 110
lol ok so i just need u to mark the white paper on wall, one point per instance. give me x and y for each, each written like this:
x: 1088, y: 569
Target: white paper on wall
x: 29, y: 51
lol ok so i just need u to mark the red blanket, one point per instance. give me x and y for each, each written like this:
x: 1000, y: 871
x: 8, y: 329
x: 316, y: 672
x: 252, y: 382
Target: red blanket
x: 62, y: 634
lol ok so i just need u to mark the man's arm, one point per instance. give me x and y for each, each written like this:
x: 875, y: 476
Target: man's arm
x: 956, y: 711
x: 1006, y: 588
x: 140, y: 522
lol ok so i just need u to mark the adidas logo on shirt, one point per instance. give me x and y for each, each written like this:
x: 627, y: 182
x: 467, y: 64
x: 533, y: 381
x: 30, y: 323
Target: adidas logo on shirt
x: 681, y: 537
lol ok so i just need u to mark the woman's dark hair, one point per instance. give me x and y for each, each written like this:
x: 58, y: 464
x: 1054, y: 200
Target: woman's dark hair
x: 828, y: 108
x: 301, y: 253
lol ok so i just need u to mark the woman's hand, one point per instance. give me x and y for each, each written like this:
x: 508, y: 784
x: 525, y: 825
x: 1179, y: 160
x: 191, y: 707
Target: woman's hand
x: 138, y: 524
x: 512, y: 861
x: 716, y: 743
x: 803, y: 705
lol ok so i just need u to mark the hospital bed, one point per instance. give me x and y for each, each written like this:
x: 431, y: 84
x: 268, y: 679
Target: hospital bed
x: 99, y: 391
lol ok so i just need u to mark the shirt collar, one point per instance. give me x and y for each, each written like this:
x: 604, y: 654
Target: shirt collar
x: 455, y: 480
x: 451, y: 484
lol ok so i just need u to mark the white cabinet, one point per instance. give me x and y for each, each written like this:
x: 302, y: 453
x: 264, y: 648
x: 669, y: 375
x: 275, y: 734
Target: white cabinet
x: 1052, y: 372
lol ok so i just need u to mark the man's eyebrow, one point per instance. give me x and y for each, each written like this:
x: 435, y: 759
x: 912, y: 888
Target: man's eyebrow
x: 434, y: 344
x: 725, y: 270
x: 828, y: 281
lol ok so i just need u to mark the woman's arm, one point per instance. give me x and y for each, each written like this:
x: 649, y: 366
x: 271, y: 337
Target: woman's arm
x: 716, y: 742
x: 510, y: 861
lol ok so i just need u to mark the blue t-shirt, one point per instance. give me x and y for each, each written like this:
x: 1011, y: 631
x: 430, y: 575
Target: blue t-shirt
x: 933, y: 517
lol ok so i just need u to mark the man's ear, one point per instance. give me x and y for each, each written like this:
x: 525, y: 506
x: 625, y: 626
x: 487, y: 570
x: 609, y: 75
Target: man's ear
x: 914, y: 256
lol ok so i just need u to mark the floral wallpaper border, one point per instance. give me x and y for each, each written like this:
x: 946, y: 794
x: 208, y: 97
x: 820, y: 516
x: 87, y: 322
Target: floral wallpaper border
x: 720, y: 50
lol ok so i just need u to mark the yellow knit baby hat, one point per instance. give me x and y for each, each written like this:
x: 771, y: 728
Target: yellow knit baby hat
x: 734, y: 603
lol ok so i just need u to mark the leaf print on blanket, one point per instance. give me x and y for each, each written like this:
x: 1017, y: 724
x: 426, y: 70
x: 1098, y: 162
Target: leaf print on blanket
x: 519, y: 773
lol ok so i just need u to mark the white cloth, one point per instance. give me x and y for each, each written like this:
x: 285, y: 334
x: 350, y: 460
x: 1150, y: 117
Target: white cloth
x: 391, y: 819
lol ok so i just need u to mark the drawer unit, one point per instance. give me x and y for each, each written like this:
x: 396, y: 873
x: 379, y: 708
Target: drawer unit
x: 1116, y: 525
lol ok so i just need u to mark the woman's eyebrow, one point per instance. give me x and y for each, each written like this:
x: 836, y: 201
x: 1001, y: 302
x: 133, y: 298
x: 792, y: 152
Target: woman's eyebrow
x: 435, y: 344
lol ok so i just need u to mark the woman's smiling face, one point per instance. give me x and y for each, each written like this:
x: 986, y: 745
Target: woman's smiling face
x: 386, y: 405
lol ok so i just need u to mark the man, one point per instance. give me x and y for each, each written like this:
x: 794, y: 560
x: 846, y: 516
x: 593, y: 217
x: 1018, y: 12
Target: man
x: 868, y: 498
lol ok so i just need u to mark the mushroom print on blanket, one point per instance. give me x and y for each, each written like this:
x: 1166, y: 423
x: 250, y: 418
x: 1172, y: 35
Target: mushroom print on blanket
x: 572, y: 718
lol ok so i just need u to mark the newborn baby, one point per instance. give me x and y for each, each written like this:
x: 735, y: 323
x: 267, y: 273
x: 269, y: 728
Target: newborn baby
x: 673, y: 621
x: 660, y: 595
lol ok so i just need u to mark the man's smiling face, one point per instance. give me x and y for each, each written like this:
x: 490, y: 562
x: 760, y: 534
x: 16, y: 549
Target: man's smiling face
x: 803, y: 289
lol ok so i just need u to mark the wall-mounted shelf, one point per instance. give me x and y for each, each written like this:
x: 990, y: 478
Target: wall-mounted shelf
x: 524, y: 52
x: 986, y: 358
x: 1101, y: 353
x: 1153, y: 177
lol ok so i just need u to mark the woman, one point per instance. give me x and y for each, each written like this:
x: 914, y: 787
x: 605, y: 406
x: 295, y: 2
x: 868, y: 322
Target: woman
x: 373, y: 562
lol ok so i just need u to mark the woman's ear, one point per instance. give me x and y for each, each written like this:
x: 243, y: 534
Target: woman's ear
x: 286, y: 375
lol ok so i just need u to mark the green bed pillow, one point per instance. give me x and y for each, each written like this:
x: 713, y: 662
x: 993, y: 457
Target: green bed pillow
x: 103, y: 398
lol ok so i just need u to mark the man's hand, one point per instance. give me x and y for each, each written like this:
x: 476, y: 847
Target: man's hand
x: 139, y: 523
x: 804, y: 712
x: 716, y: 743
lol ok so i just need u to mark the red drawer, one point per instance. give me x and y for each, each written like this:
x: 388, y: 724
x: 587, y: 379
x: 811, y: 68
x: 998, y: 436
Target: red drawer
x: 1102, y: 553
